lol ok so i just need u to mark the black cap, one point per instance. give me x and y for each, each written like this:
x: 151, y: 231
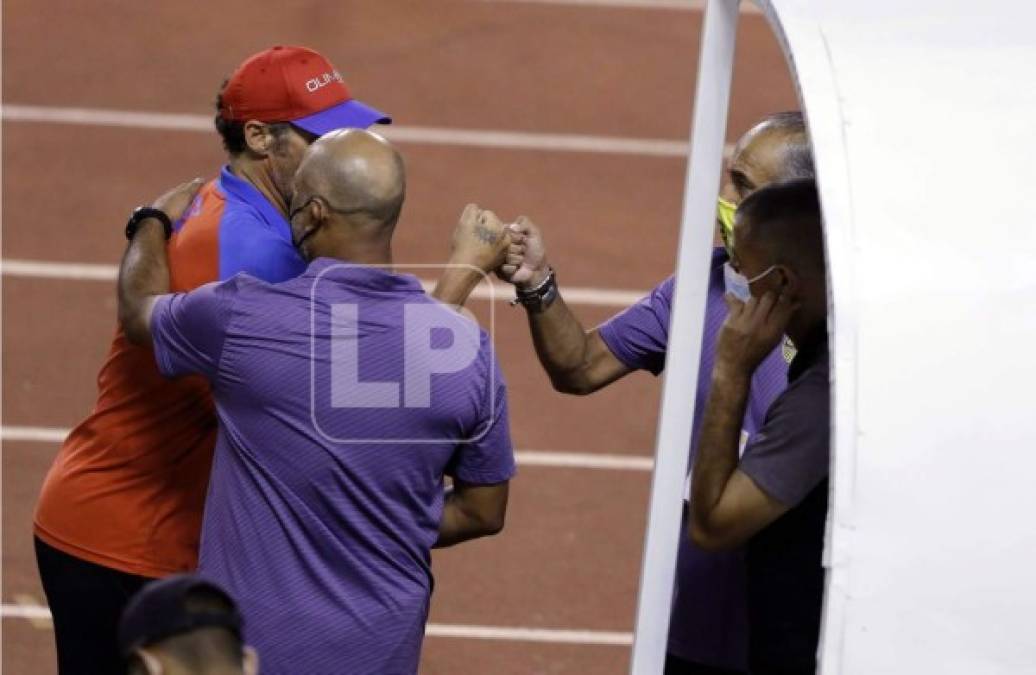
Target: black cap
x: 160, y: 610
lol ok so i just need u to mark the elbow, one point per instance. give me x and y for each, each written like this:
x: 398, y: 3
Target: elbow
x: 488, y: 522
x: 135, y: 329
x: 572, y: 383
x: 131, y: 318
x: 704, y: 541
x: 492, y: 525
x: 710, y: 539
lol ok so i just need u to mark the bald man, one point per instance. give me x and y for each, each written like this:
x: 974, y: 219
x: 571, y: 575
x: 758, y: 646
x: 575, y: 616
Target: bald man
x: 708, y: 629
x: 344, y: 398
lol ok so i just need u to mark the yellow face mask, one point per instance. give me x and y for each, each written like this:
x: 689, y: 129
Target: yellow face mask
x: 725, y: 217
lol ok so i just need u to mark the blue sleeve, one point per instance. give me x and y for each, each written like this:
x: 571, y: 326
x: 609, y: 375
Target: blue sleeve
x: 638, y: 335
x: 489, y: 457
x: 247, y: 244
x: 188, y: 329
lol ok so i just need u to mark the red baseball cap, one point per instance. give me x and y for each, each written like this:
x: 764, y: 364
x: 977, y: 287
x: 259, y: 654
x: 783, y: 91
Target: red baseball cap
x: 297, y: 85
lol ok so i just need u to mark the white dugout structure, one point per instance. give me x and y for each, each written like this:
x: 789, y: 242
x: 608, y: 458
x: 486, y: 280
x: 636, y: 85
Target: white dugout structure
x: 923, y: 121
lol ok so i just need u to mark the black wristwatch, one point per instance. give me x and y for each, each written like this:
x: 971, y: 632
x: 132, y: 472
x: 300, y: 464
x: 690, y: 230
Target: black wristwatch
x: 142, y: 213
x: 539, y: 298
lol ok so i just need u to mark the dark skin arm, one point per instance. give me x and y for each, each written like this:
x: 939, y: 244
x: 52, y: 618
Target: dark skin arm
x: 478, y: 246
x: 471, y: 511
x: 144, y: 272
x: 577, y: 360
x: 727, y: 507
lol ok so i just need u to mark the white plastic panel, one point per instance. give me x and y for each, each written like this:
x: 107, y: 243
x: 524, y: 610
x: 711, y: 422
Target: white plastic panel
x: 708, y: 132
x: 923, y: 116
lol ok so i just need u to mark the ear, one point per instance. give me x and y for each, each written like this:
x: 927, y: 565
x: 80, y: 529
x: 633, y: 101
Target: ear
x: 789, y: 280
x: 318, y: 209
x: 258, y: 137
x: 250, y: 660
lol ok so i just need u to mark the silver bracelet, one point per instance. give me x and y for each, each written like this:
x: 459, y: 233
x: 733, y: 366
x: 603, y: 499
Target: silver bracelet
x: 539, y: 298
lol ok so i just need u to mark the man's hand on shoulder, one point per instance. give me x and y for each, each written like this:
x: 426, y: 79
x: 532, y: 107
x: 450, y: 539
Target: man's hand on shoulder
x: 174, y: 202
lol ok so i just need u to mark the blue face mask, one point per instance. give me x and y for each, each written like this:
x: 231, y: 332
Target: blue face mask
x: 737, y: 285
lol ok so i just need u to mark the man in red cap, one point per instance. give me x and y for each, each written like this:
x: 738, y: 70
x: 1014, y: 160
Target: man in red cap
x: 122, y: 503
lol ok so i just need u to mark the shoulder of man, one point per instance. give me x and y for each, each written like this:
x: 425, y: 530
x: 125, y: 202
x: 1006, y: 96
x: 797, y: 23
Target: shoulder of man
x: 791, y: 452
x: 223, y: 291
x: 807, y: 390
x: 638, y: 335
x: 208, y: 207
x: 663, y: 292
x: 244, y: 217
x: 248, y: 243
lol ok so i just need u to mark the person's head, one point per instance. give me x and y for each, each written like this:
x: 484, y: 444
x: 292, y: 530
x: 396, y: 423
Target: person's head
x: 774, y: 150
x: 278, y: 102
x: 182, y: 625
x: 347, y: 196
x: 778, y: 244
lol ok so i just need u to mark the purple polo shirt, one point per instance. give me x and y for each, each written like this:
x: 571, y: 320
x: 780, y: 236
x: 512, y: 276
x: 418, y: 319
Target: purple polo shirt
x: 709, y: 623
x: 322, y: 510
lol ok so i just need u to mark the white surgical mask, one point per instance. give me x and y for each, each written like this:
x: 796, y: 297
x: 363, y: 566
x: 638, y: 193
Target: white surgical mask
x: 737, y: 285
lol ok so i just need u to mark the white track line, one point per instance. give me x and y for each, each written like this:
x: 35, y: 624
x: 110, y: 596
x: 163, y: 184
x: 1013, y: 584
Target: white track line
x: 31, y: 612
x: 583, y: 460
x: 575, y: 637
x: 40, y: 269
x: 684, y: 5
x: 515, y: 140
x: 545, y: 458
x: 443, y: 630
x: 37, y: 269
x: 33, y: 434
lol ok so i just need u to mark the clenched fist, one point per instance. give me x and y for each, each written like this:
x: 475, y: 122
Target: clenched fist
x: 480, y: 239
x: 526, y: 264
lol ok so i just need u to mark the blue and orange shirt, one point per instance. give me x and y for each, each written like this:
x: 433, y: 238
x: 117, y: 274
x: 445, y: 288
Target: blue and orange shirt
x: 128, y: 486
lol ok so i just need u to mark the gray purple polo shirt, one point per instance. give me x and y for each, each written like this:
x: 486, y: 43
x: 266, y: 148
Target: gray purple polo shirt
x: 344, y: 396
x: 789, y: 459
x: 709, y: 623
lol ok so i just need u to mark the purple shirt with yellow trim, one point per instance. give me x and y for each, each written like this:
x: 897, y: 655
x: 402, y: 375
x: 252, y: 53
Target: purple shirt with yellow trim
x: 709, y: 622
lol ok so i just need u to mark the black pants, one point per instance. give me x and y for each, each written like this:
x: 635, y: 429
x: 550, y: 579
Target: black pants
x: 86, y: 601
x: 674, y: 665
